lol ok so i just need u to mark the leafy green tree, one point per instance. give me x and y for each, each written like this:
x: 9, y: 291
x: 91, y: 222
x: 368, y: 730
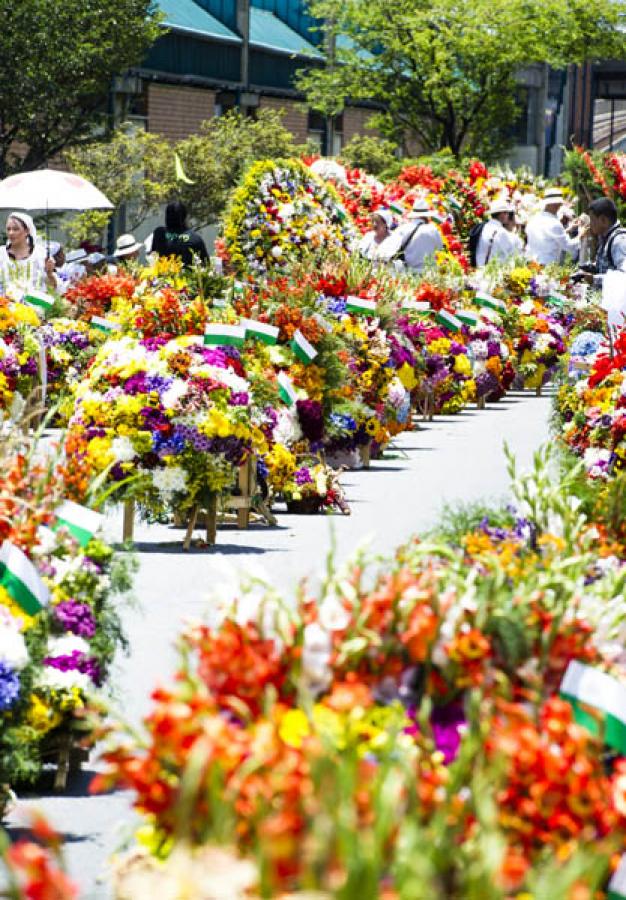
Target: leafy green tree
x: 444, y: 70
x: 133, y: 167
x: 57, y: 60
x: 216, y: 158
x: 371, y: 153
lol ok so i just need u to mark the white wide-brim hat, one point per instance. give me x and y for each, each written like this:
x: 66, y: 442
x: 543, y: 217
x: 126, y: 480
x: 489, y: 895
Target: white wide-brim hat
x: 385, y: 215
x: 553, y: 197
x: 420, y: 209
x: 501, y: 206
x: 74, y: 256
x: 126, y: 244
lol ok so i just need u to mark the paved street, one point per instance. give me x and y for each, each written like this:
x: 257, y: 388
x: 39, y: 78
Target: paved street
x: 454, y: 458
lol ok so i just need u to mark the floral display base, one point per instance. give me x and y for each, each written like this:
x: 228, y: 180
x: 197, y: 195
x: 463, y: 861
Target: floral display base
x: 307, y: 506
x: 365, y: 453
x: 63, y: 749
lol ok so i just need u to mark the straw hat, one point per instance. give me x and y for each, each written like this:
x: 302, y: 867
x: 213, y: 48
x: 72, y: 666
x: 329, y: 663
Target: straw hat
x: 126, y: 244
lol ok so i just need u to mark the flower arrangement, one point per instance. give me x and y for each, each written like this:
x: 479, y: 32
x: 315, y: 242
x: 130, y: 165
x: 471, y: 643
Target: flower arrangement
x: 59, y: 628
x: 378, y: 707
x: 70, y: 346
x: 281, y: 212
x: 168, y: 421
x: 20, y: 355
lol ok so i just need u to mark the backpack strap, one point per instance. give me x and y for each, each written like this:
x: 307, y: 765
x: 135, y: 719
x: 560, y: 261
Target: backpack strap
x: 490, y: 247
x: 609, y: 246
x: 407, y: 240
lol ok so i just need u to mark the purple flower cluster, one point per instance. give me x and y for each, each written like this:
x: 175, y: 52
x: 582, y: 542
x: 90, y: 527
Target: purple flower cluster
x: 9, y: 686
x: 302, y: 476
x: 76, y: 617
x: 311, y: 419
x: 76, y: 662
x: 486, y: 383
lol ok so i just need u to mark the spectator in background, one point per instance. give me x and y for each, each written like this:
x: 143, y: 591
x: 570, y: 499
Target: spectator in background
x: 176, y: 238
x: 23, y: 262
x: 377, y: 243
x: 548, y: 240
x: 496, y: 241
x: 418, y: 239
x: 127, y: 248
x: 611, y: 236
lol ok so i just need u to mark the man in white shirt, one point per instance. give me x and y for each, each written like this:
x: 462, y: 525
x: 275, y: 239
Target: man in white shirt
x: 417, y: 240
x: 495, y: 241
x: 548, y: 241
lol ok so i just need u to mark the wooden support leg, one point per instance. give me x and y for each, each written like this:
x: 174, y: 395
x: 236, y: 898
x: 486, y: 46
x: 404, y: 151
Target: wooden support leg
x: 366, y: 454
x: 190, y: 527
x: 128, y: 529
x: 63, y: 763
x: 245, y: 490
x: 211, y: 520
x: 480, y: 403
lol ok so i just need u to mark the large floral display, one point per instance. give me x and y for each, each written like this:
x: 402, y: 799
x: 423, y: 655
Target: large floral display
x: 59, y: 625
x: 408, y: 704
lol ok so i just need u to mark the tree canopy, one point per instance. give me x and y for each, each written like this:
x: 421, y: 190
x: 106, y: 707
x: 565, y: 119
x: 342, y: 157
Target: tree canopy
x: 57, y: 60
x: 444, y: 71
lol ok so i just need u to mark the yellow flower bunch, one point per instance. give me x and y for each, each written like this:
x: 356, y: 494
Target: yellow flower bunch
x: 8, y: 603
x: 41, y: 716
x: 281, y: 464
x: 441, y: 346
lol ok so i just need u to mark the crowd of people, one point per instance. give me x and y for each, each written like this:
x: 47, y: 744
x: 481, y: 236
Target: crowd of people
x: 29, y: 263
x: 551, y: 235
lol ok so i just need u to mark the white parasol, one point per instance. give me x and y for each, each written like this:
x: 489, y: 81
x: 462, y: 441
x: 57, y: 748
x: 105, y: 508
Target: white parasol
x: 48, y: 189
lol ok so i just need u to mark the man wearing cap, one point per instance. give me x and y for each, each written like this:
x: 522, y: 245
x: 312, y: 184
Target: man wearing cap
x: 547, y: 240
x: 417, y: 239
x: 495, y: 241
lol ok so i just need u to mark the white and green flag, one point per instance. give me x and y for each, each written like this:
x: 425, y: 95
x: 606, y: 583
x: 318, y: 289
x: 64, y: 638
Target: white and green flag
x: 304, y: 350
x: 21, y: 579
x: 80, y: 521
x: 557, y: 299
x: 467, y: 316
x: 218, y: 335
x: 261, y: 331
x: 599, y: 702
x: 486, y: 300
x: 40, y: 299
x: 454, y: 203
x: 447, y: 320
x: 617, y: 885
x: 361, y: 307
x: 286, y: 389
x: 397, y: 207
x: 105, y: 325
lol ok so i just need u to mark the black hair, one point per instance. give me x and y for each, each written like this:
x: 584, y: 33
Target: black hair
x: 602, y: 206
x: 31, y: 243
x: 176, y: 216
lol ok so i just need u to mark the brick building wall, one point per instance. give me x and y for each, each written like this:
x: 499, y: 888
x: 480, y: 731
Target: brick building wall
x: 355, y: 122
x: 176, y: 112
x: 295, y: 118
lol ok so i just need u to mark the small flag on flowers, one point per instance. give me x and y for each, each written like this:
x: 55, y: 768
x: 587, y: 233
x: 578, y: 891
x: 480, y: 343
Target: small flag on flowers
x: 617, y: 884
x: 267, y: 334
x: 397, y: 207
x: 42, y: 301
x: 361, y: 307
x: 557, y: 299
x: 454, y: 203
x: 467, y: 316
x: 305, y: 351
x: 447, y: 320
x: 490, y: 302
x: 105, y: 325
x: 217, y: 335
x: 421, y: 308
x: 21, y: 579
x: 80, y: 521
x: 286, y: 389
x: 588, y: 689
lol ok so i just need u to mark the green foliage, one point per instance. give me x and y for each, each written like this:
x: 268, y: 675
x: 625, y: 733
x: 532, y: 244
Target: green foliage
x: 216, y: 158
x: 371, y: 153
x: 445, y: 71
x: 57, y: 61
x: 134, y: 167
x: 458, y: 519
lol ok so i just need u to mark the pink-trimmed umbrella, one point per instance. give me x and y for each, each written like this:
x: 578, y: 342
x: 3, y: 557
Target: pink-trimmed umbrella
x: 49, y: 189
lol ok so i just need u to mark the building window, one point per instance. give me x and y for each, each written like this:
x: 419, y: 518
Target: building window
x: 318, y: 133
x: 224, y: 102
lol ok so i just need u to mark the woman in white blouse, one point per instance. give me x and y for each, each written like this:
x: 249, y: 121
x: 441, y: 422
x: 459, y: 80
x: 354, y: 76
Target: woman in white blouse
x: 376, y: 244
x: 23, y: 262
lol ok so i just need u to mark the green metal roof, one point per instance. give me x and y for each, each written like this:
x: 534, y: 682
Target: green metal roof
x: 268, y: 32
x: 187, y: 17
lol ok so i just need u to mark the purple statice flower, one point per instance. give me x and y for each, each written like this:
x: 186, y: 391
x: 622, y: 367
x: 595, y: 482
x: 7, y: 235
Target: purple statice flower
x: 302, y: 476
x: 456, y: 349
x: 311, y: 419
x: 486, y: 383
x: 239, y: 398
x: 448, y: 723
x: 154, y: 418
x: 434, y: 364
x: 493, y: 348
x: 76, y: 662
x: 29, y: 367
x: 9, y: 686
x: 154, y: 343
x: 215, y: 356
x: 76, y: 617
